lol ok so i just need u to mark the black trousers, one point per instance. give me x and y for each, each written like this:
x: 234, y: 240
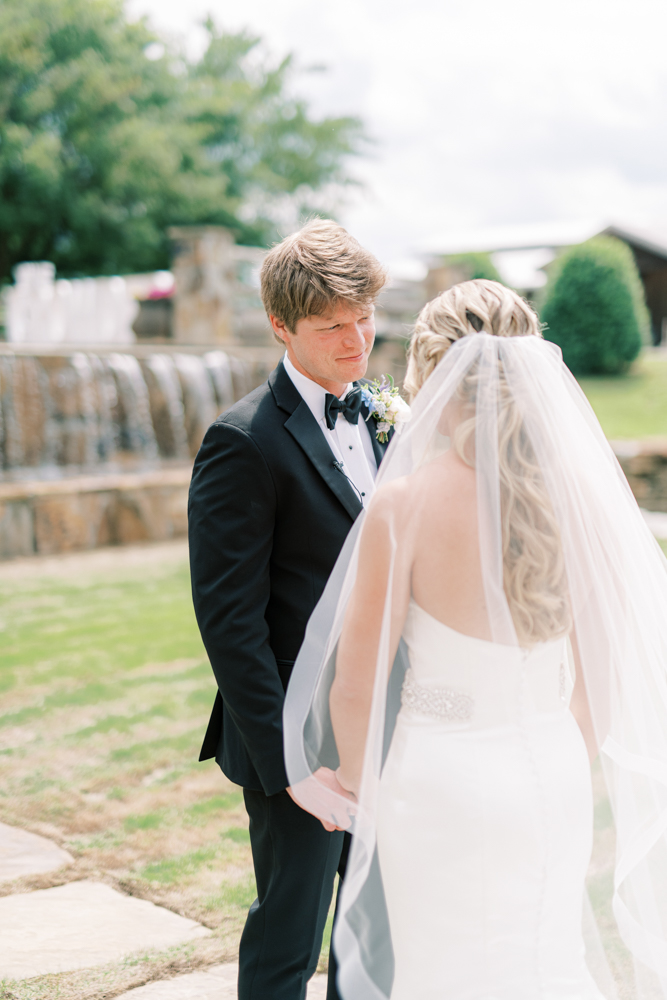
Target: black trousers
x: 296, y: 862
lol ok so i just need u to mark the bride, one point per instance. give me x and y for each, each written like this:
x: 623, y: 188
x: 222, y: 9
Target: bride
x: 499, y: 614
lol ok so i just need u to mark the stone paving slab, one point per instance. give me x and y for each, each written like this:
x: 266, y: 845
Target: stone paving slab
x: 23, y: 853
x: 79, y: 925
x: 216, y: 983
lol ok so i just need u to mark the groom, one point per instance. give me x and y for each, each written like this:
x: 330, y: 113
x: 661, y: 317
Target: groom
x: 276, y: 487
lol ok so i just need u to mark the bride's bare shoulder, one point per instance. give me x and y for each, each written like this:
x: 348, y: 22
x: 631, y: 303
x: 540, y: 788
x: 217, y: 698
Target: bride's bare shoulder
x: 390, y: 499
x: 446, y: 480
x: 449, y: 471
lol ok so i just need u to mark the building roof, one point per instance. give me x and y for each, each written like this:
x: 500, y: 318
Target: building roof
x: 534, y: 236
x: 521, y: 252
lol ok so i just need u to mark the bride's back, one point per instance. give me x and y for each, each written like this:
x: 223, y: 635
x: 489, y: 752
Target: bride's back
x: 446, y: 567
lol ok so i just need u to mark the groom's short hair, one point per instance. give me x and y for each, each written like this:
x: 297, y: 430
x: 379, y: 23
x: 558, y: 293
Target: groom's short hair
x: 312, y: 270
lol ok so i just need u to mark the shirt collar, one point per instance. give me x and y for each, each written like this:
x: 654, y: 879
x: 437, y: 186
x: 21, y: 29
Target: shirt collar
x: 311, y: 392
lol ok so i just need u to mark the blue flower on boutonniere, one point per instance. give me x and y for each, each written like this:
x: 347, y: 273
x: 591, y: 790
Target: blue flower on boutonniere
x: 386, y: 406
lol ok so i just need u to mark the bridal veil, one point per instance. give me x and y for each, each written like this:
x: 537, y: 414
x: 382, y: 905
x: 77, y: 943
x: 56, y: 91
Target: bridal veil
x: 501, y: 399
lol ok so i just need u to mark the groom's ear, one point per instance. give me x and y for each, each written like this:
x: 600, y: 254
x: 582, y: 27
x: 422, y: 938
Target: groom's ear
x: 280, y: 331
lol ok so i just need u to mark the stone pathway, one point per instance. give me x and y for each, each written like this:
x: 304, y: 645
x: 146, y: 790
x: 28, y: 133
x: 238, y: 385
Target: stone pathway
x: 216, y: 983
x: 23, y: 853
x: 83, y: 924
x: 79, y: 925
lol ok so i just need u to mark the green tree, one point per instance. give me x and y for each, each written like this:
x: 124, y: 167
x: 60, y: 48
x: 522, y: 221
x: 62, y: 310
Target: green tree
x: 594, y: 309
x: 475, y: 265
x: 108, y: 136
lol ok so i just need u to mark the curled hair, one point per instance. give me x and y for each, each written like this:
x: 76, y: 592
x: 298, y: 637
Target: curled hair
x: 477, y: 306
x: 534, y: 577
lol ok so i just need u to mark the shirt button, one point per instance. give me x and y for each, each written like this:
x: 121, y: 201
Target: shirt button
x: 350, y: 447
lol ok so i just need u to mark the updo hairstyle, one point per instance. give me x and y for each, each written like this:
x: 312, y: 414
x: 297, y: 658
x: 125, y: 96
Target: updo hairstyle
x: 478, y: 306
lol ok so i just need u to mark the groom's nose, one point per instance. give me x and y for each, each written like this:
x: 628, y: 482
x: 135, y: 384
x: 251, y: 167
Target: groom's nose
x: 353, y: 334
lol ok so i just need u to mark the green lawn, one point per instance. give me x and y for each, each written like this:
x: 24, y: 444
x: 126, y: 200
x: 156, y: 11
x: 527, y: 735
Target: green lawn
x: 632, y: 405
x: 106, y: 691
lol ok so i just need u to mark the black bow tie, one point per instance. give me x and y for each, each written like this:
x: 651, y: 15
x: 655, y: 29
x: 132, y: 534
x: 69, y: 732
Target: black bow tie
x: 349, y: 407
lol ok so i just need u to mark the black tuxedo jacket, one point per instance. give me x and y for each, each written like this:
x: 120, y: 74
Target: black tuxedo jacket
x: 268, y: 514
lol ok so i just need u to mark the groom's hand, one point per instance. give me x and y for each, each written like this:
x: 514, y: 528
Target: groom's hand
x: 325, y: 776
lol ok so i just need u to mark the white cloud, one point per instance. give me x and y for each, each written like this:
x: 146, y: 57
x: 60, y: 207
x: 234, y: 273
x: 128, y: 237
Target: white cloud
x: 482, y: 112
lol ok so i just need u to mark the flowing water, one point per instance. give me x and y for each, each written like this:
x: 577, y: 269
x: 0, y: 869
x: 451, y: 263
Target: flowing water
x: 199, y: 402
x: 166, y: 405
x: 92, y: 412
x: 132, y: 414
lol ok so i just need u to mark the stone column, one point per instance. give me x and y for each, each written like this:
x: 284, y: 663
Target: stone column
x: 204, y: 272
x: 442, y: 276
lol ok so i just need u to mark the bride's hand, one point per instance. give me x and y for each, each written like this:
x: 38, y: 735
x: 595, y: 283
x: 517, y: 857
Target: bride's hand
x: 327, y: 778
x: 330, y: 780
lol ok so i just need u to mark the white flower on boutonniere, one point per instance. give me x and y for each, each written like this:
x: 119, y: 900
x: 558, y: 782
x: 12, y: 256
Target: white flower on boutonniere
x: 386, y: 406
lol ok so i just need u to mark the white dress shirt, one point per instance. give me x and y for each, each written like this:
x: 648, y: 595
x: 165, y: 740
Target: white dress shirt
x: 350, y: 443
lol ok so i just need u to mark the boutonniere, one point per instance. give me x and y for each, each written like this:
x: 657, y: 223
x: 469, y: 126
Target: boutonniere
x: 383, y: 400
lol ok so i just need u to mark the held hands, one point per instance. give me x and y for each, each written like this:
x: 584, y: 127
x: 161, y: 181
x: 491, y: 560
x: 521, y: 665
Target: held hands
x: 329, y: 779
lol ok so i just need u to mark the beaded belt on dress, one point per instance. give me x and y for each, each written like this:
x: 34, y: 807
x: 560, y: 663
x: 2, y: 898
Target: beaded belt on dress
x: 441, y: 703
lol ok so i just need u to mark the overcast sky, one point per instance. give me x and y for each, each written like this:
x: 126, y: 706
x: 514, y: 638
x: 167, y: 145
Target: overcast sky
x: 483, y: 112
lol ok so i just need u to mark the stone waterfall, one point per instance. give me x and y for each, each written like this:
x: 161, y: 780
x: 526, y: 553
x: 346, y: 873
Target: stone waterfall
x: 85, y: 412
x: 96, y: 447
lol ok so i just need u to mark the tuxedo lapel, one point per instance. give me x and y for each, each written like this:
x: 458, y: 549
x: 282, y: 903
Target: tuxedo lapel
x: 303, y: 427
x: 305, y: 430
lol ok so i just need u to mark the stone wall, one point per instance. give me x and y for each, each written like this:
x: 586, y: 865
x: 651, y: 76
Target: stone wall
x: 86, y: 512
x: 645, y: 466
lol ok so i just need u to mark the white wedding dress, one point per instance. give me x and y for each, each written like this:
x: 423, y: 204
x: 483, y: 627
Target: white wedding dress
x: 473, y: 830
x: 485, y: 823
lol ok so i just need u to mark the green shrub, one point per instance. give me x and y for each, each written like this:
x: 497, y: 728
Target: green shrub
x: 594, y: 309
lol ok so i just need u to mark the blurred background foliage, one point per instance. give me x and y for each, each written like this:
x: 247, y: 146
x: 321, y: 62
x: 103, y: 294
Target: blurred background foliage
x: 594, y: 307
x: 474, y: 265
x: 108, y: 135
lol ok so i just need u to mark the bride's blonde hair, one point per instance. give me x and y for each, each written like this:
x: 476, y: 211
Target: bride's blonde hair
x: 533, y: 568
